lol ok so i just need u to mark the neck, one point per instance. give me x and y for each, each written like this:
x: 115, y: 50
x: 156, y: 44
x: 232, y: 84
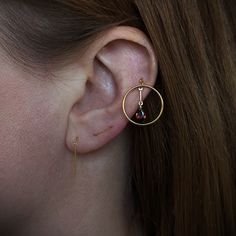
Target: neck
x: 96, y: 202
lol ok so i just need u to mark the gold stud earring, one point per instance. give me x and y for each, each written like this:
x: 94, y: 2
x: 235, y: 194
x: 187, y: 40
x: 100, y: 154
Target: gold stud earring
x: 74, y: 164
x: 140, y: 115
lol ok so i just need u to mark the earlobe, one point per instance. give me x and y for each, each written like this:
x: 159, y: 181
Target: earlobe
x: 116, y: 67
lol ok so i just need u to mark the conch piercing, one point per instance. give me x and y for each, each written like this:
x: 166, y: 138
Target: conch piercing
x: 140, y: 115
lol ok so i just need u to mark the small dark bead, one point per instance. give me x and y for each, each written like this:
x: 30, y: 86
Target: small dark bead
x: 140, y: 115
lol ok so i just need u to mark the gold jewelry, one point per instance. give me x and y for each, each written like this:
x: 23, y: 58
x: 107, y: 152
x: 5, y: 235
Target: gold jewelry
x: 140, y: 114
x: 75, y: 144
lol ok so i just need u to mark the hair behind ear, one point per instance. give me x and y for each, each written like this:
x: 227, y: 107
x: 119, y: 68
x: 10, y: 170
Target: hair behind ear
x: 187, y: 161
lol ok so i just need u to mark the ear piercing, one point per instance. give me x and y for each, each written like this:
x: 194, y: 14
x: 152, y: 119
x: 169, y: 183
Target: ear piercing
x: 140, y: 115
x: 74, y: 164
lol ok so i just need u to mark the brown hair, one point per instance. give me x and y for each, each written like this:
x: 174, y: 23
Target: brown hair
x: 183, y: 175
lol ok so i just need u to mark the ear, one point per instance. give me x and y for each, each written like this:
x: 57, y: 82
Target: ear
x: 113, y: 63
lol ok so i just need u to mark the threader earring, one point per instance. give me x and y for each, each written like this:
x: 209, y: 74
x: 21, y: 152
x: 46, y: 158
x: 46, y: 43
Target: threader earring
x: 74, y: 164
x: 140, y: 115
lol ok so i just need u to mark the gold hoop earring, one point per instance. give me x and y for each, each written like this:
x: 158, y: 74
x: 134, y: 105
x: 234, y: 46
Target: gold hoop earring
x: 74, y: 164
x: 140, y: 114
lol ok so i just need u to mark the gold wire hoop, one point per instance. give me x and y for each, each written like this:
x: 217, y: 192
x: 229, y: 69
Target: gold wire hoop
x: 139, y: 86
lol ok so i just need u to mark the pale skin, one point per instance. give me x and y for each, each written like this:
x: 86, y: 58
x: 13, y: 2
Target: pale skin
x: 40, y: 119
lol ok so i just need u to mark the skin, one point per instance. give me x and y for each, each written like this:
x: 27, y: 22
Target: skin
x: 40, y: 117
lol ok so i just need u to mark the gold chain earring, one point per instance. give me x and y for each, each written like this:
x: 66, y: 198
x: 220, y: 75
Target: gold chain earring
x: 140, y: 115
x: 74, y: 164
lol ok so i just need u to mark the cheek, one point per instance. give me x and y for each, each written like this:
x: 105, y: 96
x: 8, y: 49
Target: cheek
x: 30, y: 137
